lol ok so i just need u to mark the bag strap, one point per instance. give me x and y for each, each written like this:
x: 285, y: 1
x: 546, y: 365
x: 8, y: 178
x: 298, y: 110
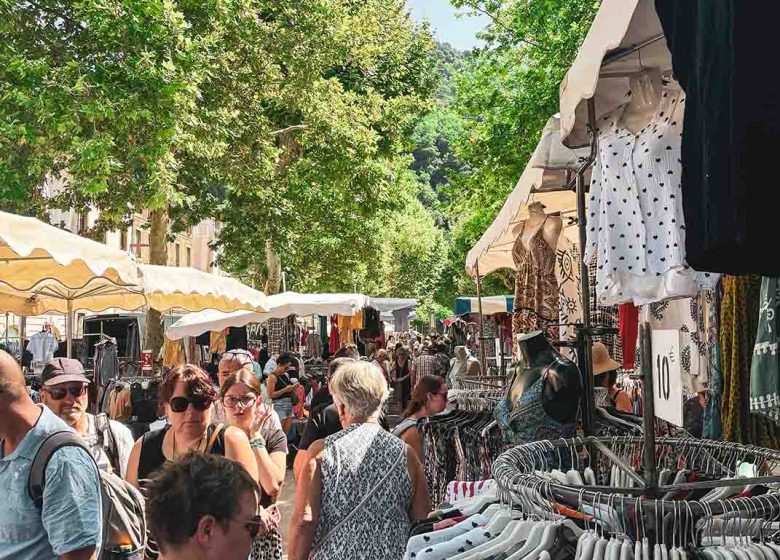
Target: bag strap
x: 108, y: 441
x: 362, y: 502
x: 37, y: 477
x: 213, y: 439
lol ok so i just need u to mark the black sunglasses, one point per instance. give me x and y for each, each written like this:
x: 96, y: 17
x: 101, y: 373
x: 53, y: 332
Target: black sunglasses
x: 58, y: 393
x: 180, y: 404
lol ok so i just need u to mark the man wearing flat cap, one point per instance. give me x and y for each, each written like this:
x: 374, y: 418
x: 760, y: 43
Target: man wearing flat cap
x: 65, y: 392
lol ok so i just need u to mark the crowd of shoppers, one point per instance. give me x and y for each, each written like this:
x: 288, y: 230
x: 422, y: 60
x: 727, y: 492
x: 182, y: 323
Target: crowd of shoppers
x: 212, y: 474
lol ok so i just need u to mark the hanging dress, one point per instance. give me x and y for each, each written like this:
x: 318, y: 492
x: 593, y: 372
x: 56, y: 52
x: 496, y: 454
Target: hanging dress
x: 765, y: 367
x: 536, y: 287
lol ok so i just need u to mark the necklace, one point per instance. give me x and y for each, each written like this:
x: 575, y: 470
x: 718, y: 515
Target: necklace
x: 197, y: 449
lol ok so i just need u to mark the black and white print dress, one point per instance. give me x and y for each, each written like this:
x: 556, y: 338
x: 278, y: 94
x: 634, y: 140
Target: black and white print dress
x: 636, y: 228
x: 355, y: 461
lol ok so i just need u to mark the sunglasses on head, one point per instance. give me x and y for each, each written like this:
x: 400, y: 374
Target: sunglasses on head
x: 242, y: 355
x: 58, y: 393
x: 180, y: 404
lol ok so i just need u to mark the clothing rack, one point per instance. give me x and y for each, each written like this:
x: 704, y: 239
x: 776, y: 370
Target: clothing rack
x: 517, y: 472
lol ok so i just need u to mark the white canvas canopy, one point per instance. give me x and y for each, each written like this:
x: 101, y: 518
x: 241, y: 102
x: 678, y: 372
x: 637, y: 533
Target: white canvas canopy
x: 626, y: 37
x: 550, y: 169
x: 279, y: 306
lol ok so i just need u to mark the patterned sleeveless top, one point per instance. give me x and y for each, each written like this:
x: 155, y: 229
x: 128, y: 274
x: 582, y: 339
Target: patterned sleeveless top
x: 530, y: 422
x: 536, y: 286
x: 355, y: 461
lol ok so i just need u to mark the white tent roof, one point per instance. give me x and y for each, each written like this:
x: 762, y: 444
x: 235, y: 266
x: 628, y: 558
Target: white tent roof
x: 620, y: 26
x: 551, y: 167
x: 279, y: 306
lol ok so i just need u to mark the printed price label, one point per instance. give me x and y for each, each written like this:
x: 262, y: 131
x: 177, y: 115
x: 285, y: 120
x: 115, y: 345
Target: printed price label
x: 667, y: 376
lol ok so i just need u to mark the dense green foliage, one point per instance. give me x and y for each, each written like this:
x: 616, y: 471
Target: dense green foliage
x: 503, y: 97
x: 335, y: 136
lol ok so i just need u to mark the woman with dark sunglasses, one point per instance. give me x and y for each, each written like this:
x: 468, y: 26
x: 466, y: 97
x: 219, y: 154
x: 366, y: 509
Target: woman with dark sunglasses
x: 187, y: 396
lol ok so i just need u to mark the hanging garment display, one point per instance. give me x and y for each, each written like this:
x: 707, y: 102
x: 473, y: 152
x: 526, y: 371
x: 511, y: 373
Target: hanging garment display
x: 536, y: 287
x: 732, y: 121
x: 713, y: 427
x: 274, y: 327
x: 401, y: 319
x: 765, y: 367
x: 217, y: 342
x: 629, y: 330
x: 173, y: 353
x: 348, y: 325
x: 636, y: 228
x: 567, y: 272
x: 738, y: 324
x: 42, y: 346
x: 334, y: 341
x: 604, y: 316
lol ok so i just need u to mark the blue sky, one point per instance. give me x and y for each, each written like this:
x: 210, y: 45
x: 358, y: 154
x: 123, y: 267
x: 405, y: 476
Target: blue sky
x: 460, y: 32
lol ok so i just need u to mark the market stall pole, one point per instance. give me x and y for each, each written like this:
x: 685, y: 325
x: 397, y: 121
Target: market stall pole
x: 482, y: 359
x: 584, y: 334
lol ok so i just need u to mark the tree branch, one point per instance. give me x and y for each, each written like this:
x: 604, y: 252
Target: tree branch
x: 290, y: 129
x: 504, y: 27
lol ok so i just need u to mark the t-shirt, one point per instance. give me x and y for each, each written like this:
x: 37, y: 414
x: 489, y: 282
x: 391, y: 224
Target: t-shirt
x: 323, y: 422
x: 71, y: 517
x: 124, y: 443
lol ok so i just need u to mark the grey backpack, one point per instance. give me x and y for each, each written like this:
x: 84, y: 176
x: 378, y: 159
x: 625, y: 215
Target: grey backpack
x: 124, y: 521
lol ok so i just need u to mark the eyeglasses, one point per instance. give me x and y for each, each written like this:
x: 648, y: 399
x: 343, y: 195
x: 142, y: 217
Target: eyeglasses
x: 180, y: 404
x: 58, y: 393
x: 243, y: 356
x: 443, y: 394
x: 245, y: 401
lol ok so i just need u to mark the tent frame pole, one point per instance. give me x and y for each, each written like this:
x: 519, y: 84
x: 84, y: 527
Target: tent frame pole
x: 584, y: 337
x: 482, y: 363
x: 69, y: 329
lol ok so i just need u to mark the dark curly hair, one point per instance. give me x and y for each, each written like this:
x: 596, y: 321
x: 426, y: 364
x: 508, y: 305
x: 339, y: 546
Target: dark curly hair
x: 184, y: 491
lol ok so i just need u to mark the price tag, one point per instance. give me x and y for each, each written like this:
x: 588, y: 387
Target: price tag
x: 146, y: 360
x: 667, y: 376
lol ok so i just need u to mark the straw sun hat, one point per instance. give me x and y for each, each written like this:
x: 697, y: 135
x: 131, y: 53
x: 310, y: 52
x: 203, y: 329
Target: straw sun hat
x: 601, y: 360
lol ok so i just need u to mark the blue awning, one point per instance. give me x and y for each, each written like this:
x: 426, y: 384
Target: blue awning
x: 490, y: 305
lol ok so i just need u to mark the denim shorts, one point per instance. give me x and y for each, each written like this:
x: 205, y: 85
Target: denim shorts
x: 283, y: 408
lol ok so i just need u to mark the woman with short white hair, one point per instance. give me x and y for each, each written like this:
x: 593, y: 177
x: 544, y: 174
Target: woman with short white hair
x: 360, y: 489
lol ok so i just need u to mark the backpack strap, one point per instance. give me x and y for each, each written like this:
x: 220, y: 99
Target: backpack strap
x: 37, y: 477
x: 108, y: 441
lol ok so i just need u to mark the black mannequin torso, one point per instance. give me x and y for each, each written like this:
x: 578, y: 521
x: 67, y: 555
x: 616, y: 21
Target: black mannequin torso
x: 561, y: 383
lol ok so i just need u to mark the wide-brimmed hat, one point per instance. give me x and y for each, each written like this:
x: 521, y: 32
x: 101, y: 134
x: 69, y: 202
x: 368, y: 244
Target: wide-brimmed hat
x: 601, y: 360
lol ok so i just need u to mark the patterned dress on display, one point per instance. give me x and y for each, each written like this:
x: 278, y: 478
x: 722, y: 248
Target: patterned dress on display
x: 536, y: 287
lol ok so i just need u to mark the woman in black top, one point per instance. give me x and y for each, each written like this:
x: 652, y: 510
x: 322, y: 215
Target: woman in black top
x: 187, y: 396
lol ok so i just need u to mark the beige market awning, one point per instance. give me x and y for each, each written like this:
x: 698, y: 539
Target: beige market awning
x: 33, y: 253
x: 550, y: 169
x: 626, y: 37
x: 168, y: 288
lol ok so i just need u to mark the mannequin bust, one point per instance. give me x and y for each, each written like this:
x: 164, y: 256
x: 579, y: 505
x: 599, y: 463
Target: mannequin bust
x: 552, y: 226
x: 562, y: 384
x: 646, y: 89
